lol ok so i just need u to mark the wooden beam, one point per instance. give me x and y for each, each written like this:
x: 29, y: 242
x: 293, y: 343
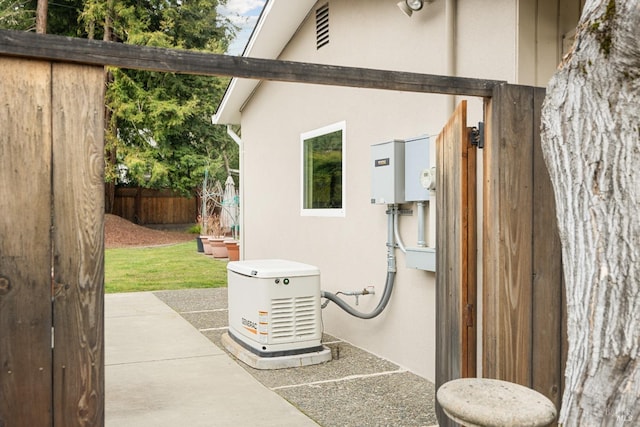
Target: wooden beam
x: 94, y: 52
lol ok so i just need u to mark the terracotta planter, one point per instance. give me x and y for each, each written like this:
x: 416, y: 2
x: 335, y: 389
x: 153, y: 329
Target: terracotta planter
x: 218, y: 248
x: 233, y: 248
x: 205, y: 245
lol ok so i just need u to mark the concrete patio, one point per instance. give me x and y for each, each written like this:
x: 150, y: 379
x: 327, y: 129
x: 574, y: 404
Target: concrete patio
x: 165, y: 366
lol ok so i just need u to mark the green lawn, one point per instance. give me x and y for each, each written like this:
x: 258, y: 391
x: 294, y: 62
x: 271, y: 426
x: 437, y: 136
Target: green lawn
x: 177, y: 266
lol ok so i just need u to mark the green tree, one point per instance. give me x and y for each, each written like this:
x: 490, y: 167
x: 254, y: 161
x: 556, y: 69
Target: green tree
x: 17, y: 15
x: 159, y: 124
x: 62, y: 18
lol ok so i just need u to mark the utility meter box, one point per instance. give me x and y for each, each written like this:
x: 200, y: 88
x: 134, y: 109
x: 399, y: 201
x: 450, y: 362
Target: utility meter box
x: 387, y: 172
x: 416, y: 154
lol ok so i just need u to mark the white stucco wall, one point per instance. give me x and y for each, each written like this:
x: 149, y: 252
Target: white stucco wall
x: 350, y: 251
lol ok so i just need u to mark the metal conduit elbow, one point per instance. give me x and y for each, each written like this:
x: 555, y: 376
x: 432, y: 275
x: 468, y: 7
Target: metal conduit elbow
x: 391, y: 274
x: 386, y: 296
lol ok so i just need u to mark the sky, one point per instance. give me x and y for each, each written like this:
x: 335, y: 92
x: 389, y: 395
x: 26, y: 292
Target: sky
x: 244, y: 14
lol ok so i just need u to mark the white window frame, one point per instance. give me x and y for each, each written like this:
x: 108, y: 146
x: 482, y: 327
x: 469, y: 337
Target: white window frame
x: 328, y: 212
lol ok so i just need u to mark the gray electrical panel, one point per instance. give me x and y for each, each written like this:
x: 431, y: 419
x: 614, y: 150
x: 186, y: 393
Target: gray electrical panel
x: 387, y: 172
x: 416, y: 154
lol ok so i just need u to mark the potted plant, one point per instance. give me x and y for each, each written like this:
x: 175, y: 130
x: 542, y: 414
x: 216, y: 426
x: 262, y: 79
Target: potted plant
x: 204, y: 238
x: 216, y: 240
x: 233, y: 249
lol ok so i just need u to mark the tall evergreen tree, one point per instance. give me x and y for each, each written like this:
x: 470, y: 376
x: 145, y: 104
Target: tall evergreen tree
x: 17, y: 15
x: 160, y: 123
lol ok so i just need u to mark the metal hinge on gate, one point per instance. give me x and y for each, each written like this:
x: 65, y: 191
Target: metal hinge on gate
x: 476, y: 135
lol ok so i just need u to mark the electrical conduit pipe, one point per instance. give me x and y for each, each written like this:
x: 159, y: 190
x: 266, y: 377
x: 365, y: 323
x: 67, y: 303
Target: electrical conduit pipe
x: 392, y: 212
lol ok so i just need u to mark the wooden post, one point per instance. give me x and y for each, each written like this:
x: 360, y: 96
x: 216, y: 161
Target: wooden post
x: 548, y: 344
x: 51, y: 205
x: 25, y: 244
x: 78, y: 237
x: 522, y: 273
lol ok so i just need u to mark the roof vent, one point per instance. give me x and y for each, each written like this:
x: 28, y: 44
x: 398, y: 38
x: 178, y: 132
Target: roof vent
x: 322, y: 26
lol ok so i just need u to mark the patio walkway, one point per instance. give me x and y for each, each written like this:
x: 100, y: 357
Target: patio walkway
x: 165, y: 367
x: 160, y: 371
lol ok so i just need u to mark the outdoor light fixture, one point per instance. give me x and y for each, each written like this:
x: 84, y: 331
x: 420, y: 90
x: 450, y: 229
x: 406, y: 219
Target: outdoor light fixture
x: 414, y: 5
x: 409, y: 6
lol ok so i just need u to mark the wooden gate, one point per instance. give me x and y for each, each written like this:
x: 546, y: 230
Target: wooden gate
x: 523, y: 336
x: 456, y: 243
x: 51, y: 244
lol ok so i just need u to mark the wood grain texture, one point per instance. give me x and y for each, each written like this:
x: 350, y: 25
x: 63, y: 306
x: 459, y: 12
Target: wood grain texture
x: 455, y: 263
x: 515, y: 217
x: 522, y: 274
x: 94, y: 52
x: 470, y: 264
x: 507, y: 316
x: 25, y: 250
x: 78, y: 188
x: 548, y: 343
x: 490, y: 242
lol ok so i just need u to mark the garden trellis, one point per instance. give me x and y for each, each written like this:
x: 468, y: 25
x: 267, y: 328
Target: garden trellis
x: 219, y: 207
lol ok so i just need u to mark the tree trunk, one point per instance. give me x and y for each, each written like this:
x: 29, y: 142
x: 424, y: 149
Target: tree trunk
x: 591, y: 143
x: 42, y: 9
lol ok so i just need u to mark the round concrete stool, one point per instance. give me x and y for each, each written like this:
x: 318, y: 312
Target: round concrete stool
x: 486, y: 402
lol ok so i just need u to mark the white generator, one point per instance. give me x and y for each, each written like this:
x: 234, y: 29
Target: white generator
x: 274, y: 307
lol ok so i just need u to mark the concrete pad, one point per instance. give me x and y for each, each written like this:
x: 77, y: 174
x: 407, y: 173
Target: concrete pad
x: 281, y: 362
x: 160, y: 371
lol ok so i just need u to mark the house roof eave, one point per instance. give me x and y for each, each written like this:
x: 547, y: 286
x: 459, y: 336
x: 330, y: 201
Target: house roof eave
x: 276, y: 25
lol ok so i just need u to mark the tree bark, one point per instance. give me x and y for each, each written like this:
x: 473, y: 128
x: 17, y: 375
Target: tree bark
x: 42, y: 9
x: 591, y: 144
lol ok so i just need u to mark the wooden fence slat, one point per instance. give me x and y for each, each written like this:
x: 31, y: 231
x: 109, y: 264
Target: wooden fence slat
x: 548, y: 343
x: 524, y: 331
x: 508, y: 198
x: 25, y: 249
x: 78, y: 187
x: 455, y: 263
x: 490, y: 242
x: 469, y: 331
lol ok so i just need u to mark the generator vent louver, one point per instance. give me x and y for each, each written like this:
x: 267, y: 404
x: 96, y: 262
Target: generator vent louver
x: 293, y: 318
x: 322, y: 26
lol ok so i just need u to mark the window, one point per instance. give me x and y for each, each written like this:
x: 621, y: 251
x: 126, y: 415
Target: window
x: 323, y: 171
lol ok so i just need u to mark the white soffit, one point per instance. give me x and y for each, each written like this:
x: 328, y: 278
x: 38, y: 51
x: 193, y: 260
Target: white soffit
x: 277, y: 24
